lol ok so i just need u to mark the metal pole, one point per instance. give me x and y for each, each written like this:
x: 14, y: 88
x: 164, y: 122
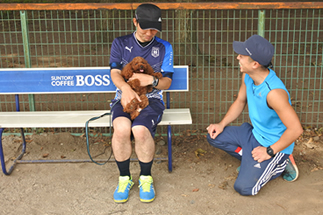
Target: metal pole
x: 25, y: 38
x: 261, y: 23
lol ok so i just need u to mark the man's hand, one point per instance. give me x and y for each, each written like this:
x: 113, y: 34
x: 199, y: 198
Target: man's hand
x: 260, y: 154
x: 127, y: 95
x: 214, y: 130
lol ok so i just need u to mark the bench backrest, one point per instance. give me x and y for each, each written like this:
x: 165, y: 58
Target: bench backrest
x: 71, y: 80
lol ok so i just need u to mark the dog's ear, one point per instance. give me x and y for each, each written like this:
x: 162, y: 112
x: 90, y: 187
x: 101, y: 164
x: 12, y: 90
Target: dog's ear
x: 150, y: 69
x: 158, y: 75
x: 126, y: 72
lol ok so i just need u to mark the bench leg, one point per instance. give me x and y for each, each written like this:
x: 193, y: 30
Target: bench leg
x: 169, y: 137
x: 3, y: 165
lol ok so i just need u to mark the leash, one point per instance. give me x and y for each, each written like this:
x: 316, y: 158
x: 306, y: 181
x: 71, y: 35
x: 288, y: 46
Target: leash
x: 87, y: 137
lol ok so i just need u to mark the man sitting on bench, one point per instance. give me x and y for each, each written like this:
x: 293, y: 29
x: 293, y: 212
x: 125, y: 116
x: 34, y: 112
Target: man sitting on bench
x: 159, y: 54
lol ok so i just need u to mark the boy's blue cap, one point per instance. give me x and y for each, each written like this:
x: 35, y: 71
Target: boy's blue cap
x: 257, y: 47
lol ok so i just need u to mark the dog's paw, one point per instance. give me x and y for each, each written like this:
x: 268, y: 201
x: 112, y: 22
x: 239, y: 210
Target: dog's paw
x: 135, y: 114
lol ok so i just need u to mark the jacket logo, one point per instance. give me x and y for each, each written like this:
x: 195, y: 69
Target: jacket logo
x: 257, y: 165
x: 155, y: 51
x: 129, y: 49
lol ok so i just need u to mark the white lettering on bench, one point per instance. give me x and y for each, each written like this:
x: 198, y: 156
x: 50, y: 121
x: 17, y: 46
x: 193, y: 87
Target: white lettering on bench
x: 62, y: 78
x: 62, y: 83
x: 89, y: 80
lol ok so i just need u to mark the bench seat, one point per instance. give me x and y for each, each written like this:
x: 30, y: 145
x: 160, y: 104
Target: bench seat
x: 59, y: 119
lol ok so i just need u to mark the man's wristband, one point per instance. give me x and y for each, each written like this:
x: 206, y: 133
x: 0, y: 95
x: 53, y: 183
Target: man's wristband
x: 155, y: 81
x: 270, y: 151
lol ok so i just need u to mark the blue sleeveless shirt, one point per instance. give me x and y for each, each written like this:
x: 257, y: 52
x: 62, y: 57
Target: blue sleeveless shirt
x: 267, y: 126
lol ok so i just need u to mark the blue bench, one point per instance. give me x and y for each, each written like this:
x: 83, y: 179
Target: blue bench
x: 73, y: 80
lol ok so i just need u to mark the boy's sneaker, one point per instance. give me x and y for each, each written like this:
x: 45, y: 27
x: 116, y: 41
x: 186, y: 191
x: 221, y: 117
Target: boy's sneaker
x: 121, y: 194
x: 146, y: 188
x: 291, y: 171
x: 238, y: 169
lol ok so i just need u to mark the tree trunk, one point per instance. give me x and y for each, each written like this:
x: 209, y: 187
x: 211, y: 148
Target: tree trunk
x: 186, y: 44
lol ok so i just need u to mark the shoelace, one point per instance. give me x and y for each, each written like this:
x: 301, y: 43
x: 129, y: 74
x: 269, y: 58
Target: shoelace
x: 146, y: 184
x: 123, y: 185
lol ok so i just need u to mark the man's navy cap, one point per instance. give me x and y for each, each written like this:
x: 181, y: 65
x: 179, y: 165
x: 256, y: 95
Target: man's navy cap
x: 257, y: 47
x: 149, y: 17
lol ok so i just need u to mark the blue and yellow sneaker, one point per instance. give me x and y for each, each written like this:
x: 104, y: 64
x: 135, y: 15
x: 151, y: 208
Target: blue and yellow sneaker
x: 121, y: 194
x: 290, y: 173
x: 146, y: 188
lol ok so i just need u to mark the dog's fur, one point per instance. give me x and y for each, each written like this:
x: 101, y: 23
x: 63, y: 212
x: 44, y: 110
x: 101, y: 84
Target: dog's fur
x: 138, y: 65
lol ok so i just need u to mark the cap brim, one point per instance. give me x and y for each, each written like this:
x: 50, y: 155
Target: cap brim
x: 150, y: 25
x: 239, y: 48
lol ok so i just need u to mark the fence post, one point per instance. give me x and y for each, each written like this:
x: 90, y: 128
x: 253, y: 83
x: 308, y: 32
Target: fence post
x: 261, y: 23
x: 25, y: 38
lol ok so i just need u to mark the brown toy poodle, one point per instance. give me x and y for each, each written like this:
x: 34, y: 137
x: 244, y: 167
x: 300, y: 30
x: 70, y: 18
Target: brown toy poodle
x: 138, y: 65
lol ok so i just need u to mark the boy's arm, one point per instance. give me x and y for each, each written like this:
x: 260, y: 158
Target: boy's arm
x: 277, y: 99
x: 233, y: 113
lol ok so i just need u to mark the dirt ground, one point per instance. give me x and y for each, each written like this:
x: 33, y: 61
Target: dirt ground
x: 201, y: 182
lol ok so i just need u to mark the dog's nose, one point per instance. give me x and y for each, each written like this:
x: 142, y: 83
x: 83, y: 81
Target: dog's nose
x: 141, y: 67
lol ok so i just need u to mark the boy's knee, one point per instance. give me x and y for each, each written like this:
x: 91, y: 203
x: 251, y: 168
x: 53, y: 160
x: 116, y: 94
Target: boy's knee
x: 208, y: 137
x: 211, y: 141
x: 243, y: 190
